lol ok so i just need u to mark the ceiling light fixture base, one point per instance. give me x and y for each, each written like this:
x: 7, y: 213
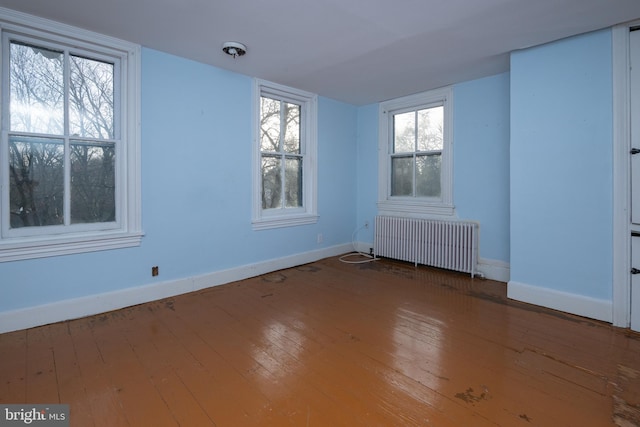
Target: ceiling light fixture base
x: 234, y: 49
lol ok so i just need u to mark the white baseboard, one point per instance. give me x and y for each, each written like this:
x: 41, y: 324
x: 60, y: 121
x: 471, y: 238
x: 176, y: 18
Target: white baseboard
x: 494, y: 269
x: 94, y: 304
x: 580, y: 305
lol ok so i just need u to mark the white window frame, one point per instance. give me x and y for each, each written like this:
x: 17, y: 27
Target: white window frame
x: 407, y: 205
x: 127, y: 230
x: 287, y: 217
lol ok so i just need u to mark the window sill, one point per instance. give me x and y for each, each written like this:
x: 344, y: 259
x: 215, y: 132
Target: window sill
x: 39, y: 247
x: 266, y: 223
x: 415, y: 209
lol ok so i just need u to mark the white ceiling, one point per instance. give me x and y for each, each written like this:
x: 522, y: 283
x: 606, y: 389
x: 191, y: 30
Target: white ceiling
x: 356, y: 51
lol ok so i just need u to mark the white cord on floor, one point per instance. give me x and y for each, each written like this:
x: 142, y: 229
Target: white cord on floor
x: 356, y: 252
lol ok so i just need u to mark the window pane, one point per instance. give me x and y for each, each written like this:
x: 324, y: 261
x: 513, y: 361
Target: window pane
x: 402, y: 176
x: 428, y: 175
x: 430, y: 124
x: 271, y: 182
x: 269, y: 124
x: 36, y: 89
x: 90, y: 98
x: 93, y: 183
x: 293, y: 182
x: 404, y: 132
x: 36, y: 181
x: 292, y: 128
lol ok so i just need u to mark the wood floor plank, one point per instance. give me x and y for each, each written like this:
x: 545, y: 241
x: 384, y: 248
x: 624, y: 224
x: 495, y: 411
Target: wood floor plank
x: 13, y: 367
x: 102, y: 394
x: 150, y: 344
x: 135, y: 391
x: 42, y: 386
x: 71, y: 387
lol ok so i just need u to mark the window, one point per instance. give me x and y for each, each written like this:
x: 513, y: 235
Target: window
x: 415, y: 162
x: 284, y: 156
x: 69, y: 146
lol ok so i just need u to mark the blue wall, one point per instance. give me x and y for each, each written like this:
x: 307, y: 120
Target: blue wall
x: 481, y: 160
x: 196, y: 191
x: 367, y: 171
x: 561, y: 166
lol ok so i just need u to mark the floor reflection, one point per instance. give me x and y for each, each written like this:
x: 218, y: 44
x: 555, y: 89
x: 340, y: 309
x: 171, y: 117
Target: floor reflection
x: 279, y: 351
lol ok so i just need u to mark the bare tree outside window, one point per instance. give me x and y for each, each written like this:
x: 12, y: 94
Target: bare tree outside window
x: 37, y: 89
x: 61, y: 109
x: 36, y: 193
x: 281, y: 155
x: 417, y: 152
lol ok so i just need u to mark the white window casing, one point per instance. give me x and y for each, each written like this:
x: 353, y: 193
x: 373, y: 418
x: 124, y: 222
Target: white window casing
x: 412, y: 206
x: 126, y: 230
x: 307, y: 212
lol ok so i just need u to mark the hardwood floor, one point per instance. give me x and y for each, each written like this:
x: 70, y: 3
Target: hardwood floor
x: 331, y: 344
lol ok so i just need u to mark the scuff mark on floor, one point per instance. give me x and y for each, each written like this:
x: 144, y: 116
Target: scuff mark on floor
x: 626, y: 405
x: 627, y: 372
x: 525, y: 417
x: 470, y: 396
x: 625, y: 414
x: 274, y: 278
x: 308, y: 268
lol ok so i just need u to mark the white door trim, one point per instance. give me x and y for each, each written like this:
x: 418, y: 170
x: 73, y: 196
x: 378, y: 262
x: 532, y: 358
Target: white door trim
x: 621, y: 176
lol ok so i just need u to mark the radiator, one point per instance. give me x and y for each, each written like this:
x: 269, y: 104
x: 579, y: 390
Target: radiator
x: 452, y: 245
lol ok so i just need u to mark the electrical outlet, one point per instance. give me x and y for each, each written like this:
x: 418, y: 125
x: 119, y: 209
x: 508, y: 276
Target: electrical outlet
x: 319, y: 237
x: 155, y: 271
